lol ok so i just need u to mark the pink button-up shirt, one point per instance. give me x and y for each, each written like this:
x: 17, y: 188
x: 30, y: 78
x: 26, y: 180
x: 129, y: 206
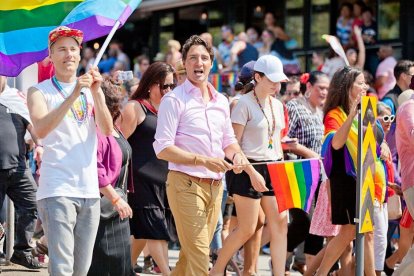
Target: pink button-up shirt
x: 185, y: 121
x: 405, y: 142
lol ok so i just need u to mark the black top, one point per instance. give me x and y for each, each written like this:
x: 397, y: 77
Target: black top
x: 248, y: 54
x: 12, y: 144
x: 370, y: 31
x: 126, y: 159
x: 149, y: 172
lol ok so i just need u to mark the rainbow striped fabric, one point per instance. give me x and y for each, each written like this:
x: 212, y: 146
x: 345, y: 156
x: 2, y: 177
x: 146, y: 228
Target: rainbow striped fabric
x: 295, y: 182
x: 25, y: 25
x: 333, y: 121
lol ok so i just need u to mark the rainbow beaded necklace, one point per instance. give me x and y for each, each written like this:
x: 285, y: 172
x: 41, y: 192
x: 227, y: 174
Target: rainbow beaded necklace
x: 270, y: 131
x: 79, y: 108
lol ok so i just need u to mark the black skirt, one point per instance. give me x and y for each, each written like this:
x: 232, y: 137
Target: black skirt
x: 112, y: 250
x: 153, y: 224
x: 343, y: 190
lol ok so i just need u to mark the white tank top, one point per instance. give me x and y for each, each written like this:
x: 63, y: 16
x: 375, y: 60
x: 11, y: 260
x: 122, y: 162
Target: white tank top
x: 69, y: 165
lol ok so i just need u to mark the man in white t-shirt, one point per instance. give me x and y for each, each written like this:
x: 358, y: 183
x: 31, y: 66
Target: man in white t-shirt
x: 65, y: 111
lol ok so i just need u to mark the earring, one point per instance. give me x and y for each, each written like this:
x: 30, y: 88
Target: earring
x: 307, y: 94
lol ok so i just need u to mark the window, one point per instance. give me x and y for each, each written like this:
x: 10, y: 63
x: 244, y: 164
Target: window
x: 294, y: 23
x: 166, y: 24
x: 388, y: 19
x: 319, y: 22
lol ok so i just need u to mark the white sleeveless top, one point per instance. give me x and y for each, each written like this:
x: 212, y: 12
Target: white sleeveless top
x: 69, y: 166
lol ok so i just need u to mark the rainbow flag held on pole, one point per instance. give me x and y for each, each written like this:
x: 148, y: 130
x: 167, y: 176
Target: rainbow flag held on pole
x: 25, y: 26
x: 295, y: 182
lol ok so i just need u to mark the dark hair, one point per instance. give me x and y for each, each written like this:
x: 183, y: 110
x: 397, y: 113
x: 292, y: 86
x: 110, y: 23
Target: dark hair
x: 155, y: 74
x: 244, y: 85
x: 348, y: 5
x: 312, y: 78
x: 196, y: 40
x: 141, y: 58
x: 113, y: 97
x: 368, y: 9
x: 339, y: 89
x: 261, y: 74
x: 361, y: 4
x: 402, y: 66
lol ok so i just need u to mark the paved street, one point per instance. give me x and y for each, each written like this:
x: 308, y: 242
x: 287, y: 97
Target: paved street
x: 15, y: 270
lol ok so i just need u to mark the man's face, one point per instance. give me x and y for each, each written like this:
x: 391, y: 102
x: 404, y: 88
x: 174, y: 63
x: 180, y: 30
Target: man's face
x: 407, y: 76
x: 65, y: 55
x: 197, y: 64
x: 2, y: 83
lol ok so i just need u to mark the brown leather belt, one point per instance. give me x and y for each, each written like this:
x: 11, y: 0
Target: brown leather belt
x: 209, y: 181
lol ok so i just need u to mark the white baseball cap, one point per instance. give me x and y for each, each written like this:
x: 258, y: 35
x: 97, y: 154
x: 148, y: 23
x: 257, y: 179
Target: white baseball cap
x: 272, y: 67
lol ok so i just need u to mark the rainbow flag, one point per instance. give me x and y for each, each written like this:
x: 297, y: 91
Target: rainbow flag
x: 25, y: 26
x: 216, y: 82
x: 295, y: 182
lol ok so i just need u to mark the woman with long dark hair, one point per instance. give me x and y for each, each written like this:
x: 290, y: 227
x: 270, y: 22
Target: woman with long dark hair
x: 152, y: 221
x: 340, y: 148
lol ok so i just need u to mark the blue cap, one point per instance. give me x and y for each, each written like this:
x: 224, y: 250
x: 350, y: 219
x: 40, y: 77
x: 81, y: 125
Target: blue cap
x: 247, y: 70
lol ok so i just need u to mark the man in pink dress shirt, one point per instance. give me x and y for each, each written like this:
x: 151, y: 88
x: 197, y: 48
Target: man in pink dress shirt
x: 405, y: 147
x: 194, y: 134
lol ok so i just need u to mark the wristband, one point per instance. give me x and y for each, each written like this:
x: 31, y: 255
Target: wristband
x: 114, y: 201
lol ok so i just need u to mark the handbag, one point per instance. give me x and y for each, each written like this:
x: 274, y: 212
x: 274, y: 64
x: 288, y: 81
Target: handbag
x: 107, y: 208
x: 394, y: 207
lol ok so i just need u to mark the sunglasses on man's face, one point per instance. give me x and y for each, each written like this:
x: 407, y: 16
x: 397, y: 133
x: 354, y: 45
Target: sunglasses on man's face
x: 168, y: 85
x: 388, y: 118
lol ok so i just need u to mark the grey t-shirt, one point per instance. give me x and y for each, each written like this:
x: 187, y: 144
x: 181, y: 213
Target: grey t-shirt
x: 255, y: 139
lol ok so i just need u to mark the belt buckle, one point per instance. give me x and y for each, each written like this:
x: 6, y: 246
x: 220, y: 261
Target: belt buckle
x: 214, y: 182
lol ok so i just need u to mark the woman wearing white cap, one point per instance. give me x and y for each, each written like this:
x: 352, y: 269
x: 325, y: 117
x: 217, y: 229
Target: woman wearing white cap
x: 258, y: 119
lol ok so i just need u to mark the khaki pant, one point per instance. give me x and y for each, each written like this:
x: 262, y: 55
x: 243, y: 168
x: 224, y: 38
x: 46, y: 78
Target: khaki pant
x: 195, y: 207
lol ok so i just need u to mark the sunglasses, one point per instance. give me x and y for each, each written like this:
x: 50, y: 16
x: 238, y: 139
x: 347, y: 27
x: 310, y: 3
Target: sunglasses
x: 294, y: 93
x: 166, y: 86
x: 388, y: 118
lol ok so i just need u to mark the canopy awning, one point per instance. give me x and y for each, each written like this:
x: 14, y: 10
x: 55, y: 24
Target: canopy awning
x: 156, y: 5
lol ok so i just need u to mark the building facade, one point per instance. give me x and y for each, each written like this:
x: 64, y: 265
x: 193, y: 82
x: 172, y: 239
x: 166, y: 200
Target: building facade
x: 305, y: 21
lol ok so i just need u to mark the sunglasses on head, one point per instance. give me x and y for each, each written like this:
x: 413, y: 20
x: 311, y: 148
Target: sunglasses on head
x: 388, y: 118
x: 168, y: 85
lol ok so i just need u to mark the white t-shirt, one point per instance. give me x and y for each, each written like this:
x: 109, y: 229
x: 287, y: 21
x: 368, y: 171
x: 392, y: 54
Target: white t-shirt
x: 255, y: 139
x: 69, y: 166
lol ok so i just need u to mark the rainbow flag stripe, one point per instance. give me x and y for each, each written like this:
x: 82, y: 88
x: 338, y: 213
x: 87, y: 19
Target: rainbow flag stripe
x: 216, y: 82
x: 294, y: 182
x: 25, y: 26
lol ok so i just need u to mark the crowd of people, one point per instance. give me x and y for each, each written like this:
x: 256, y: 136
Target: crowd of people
x: 123, y: 167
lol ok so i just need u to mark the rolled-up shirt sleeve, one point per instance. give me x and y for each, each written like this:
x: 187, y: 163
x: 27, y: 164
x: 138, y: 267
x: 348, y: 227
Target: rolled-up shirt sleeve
x: 228, y: 138
x: 167, y: 123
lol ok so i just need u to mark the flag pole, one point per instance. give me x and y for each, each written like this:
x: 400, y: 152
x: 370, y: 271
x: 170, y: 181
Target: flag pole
x: 106, y: 43
x: 359, y: 253
x: 281, y: 161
